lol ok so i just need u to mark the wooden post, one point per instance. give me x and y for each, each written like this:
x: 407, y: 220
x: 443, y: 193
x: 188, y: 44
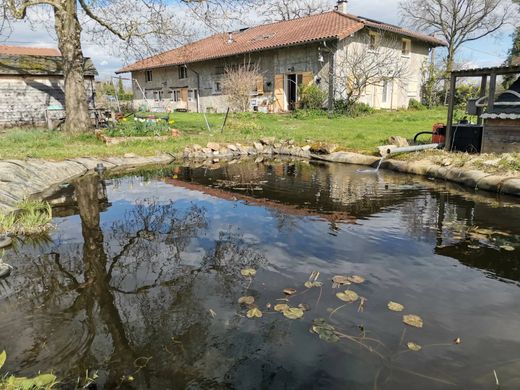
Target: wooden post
x: 331, y: 83
x: 451, y: 102
x: 483, y: 88
x: 225, y: 121
x: 492, y: 91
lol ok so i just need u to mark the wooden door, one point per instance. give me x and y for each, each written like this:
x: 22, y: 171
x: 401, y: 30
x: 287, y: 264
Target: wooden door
x: 279, y: 94
x: 184, y: 96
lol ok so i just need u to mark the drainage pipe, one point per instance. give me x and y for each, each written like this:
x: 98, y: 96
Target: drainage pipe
x: 408, y: 149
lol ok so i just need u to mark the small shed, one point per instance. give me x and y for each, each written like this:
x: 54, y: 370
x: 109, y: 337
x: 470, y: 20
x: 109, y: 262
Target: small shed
x: 498, y: 126
x: 31, y: 81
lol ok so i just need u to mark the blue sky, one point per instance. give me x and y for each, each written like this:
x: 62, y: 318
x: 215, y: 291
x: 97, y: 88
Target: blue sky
x: 489, y: 51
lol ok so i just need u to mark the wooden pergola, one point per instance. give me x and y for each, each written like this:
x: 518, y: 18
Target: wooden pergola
x: 488, y: 86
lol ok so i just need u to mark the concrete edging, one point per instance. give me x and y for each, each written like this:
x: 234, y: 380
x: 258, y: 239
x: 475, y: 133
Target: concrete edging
x: 478, y: 180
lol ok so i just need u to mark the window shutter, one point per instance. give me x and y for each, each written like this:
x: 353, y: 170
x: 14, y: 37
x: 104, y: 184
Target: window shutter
x: 308, y: 78
x: 279, y: 92
x: 260, y: 85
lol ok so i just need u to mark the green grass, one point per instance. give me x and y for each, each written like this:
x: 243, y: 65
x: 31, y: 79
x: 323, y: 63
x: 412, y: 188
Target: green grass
x: 33, y: 217
x: 361, y: 134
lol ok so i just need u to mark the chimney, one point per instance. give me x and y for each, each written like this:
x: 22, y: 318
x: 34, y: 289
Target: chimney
x: 342, y: 6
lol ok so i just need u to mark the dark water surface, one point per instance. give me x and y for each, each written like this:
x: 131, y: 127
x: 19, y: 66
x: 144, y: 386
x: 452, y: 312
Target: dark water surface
x: 139, y: 282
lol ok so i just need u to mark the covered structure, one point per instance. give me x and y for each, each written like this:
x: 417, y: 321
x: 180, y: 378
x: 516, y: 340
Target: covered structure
x: 498, y: 126
x: 32, y: 83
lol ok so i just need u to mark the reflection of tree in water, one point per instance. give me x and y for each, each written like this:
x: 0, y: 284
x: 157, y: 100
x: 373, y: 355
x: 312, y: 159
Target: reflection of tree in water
x: 129, y: 285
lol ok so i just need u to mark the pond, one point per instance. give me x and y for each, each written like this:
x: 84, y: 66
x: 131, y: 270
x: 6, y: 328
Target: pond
x: 138, y: 286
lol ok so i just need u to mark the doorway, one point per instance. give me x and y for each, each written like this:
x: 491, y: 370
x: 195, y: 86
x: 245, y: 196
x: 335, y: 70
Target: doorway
x: 293, y: 83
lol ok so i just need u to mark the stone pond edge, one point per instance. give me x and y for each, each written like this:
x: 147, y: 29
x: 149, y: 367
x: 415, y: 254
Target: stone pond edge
x: 34, y: 178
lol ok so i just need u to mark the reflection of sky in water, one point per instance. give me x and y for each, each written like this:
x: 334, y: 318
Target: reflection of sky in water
x: 392, y: 246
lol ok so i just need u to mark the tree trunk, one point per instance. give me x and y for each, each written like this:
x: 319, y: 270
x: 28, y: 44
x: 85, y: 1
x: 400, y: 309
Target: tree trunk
x: 68, y: 30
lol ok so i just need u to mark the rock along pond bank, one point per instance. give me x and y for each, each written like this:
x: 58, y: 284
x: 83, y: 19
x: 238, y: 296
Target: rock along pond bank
x: 37, y: 178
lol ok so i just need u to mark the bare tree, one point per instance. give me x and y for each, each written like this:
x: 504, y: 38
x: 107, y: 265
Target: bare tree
x: 369, y: 62
x: 239, y: 83
x: 145, y: 25
x: 276, y: 10
x: 457, y: 21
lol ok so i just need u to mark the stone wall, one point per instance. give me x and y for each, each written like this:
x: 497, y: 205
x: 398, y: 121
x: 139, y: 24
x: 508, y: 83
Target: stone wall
x: 204, y: 77
x: 24, y: 99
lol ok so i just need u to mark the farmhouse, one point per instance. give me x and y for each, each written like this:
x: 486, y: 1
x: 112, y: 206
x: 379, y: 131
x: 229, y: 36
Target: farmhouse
x: 31, y: 85
x: 289, y: 54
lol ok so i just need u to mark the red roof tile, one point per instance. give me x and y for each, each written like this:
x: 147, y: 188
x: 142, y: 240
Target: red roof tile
x: 29, y: 51
x: 328, y: 25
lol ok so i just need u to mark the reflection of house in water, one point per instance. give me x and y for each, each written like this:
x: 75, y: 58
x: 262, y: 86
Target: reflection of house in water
x: 64, y: 202
x: 331, y: 191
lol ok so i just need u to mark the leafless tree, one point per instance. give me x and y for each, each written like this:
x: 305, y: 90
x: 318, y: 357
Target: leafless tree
x: 457, y: 21
x: 276, y: 10
x: 144, y: 25
x: 238, y: 84
x: 369, y: 62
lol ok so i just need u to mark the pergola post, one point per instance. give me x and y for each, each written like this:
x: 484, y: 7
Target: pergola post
x: 451, y: 103
x: 492, y: 91
x: 483, y: 90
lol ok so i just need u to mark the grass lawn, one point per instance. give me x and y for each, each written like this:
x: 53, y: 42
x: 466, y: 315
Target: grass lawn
x: 362, y: 134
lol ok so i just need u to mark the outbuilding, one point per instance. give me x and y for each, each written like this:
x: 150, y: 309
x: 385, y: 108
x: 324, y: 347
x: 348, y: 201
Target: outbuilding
x: 498, y: 126
x: 31, y: 85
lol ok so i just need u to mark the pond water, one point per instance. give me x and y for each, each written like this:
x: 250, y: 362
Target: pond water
x: 138, y: 285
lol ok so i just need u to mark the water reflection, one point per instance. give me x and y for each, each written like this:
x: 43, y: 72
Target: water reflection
x: 140, y: 281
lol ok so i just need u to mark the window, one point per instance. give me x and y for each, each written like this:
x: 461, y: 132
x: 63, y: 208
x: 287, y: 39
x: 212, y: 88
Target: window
x: 406, y: 47
x: 148, y: 76
x: 157, y: 95
x: 176, y: 95
x: 220, y: 70
x: 217, y: 88
x: 183, y: 72
x: 192, y: 95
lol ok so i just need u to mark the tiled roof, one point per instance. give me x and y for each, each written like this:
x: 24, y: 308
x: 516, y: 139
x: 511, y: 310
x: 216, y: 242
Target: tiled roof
x: 29, y: 51
x: 31, y: 65
x: 325, y: 26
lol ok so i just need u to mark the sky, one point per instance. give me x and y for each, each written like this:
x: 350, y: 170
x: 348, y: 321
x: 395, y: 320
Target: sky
x: 488, y: 51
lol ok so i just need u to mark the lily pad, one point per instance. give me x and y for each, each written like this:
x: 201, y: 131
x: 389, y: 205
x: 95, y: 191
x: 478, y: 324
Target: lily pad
x: 289, y: 291
x: 324, y: 330
x: 3, y: 357
x: 293, y: 313
x: 281, y: 307
x: 508, y: 248
x: 413, y: 346
x: 304, y: 307
x: 248, y: 272
x: 247, y: 300
x: 413, y: 320
x: 394, y: 306
x: 348, y: 296
x: 338, y: 279
x: 254, y: 312
x: 356, y: 279
x: 310, y: 284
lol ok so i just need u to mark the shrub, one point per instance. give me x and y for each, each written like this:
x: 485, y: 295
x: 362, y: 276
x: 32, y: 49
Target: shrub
x: 352, y: 109
x: 416, y: 105
x: 312, y: 97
